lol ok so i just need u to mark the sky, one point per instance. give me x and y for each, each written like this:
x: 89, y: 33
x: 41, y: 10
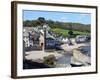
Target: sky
x: 84, y: 18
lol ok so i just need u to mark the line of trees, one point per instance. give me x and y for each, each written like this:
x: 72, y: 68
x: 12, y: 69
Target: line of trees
x: 56, y: 24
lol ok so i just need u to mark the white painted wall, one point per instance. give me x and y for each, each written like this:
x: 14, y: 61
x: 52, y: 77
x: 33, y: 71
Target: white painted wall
x: 5, y: 40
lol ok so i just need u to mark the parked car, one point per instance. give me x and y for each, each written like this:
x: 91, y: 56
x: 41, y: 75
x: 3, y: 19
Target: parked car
x: 88, y: 38
x: 82, y: 38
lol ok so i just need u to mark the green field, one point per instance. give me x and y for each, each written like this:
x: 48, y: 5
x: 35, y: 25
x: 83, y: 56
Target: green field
x: 64, y: 32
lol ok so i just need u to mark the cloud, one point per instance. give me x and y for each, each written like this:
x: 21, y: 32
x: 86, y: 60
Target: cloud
x: 85, y: 14
x: 63, y: 19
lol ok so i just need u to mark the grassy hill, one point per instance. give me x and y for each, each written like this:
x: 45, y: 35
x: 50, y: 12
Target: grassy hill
x: 64, y: 32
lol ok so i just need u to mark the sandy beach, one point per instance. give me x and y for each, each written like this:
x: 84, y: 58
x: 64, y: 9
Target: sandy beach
x: 64, y: 58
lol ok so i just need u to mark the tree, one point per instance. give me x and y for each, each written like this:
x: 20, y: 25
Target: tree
x: 70, y: 32
x: 41, y: 21
x: 27, y: 23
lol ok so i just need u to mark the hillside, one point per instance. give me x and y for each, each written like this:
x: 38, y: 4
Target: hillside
x: 60, y: 25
